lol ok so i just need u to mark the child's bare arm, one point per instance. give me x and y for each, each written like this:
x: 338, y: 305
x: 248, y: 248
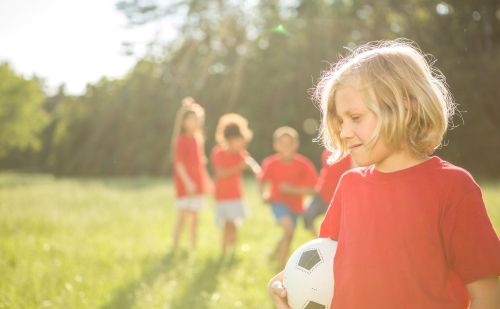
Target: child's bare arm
x: 253, y: 165
x: 186, y: 180
x: 278, y: 292
x: 296, y: 190
x: 248, y: 163
x: 264, y: 192
x: 225, y: 172
x: 485, y: 293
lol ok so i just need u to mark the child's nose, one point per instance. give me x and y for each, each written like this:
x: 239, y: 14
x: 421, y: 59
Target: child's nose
x: 345, y: 131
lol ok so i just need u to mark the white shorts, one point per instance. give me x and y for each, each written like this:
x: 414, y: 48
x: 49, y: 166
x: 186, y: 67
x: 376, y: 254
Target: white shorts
x: 194, y: 202
x: 231, y: 210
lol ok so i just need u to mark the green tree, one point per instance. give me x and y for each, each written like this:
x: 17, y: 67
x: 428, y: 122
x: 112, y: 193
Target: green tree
x: 21, y: 113
x: 260, y: 59
x: 119, y: 127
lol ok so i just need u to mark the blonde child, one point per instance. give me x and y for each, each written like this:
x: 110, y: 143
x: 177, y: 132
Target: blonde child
x: 229, y: 160
x: 412, y: 229
x: 290, y: 176
x: 190, y: 175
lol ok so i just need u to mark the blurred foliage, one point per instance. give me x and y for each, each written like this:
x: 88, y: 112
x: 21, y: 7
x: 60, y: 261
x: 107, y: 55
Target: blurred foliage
x: 259, y: 59
x: 21, y: 113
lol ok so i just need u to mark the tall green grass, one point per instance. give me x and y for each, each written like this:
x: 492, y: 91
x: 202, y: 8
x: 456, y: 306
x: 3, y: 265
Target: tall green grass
x: 78, y: 243
x: 105, y: 243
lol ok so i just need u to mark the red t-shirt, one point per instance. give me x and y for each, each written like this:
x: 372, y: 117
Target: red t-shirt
x: 188, y: 152
x: 329, y: 175
x: 409, y: 239
x: 299, y: 171
x: 229, y: 187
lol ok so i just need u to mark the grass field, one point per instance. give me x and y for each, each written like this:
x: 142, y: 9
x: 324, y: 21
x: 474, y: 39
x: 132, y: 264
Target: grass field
x: 104, y: 243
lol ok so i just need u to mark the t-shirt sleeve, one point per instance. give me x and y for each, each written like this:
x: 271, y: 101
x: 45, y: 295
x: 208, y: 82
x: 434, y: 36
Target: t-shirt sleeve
x: 330, y: 226
x: 265, y: 174
x: 472, y: 247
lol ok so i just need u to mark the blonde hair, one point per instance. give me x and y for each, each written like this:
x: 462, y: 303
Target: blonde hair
x: 402, y: 88
x: 289, y: 131
x: 188, y: 107
x: 232, y: 125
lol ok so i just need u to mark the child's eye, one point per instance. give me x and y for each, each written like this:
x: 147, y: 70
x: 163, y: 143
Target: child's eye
x: 355, y: 118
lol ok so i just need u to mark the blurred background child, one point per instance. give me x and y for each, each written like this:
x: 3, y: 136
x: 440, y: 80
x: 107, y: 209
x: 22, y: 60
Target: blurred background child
x: 229, y: 160
x: 190, y: 175
x: 290, y: 176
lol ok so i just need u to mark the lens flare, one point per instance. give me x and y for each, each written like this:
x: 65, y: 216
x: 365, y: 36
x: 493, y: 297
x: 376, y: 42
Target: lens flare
x: 281, y: 29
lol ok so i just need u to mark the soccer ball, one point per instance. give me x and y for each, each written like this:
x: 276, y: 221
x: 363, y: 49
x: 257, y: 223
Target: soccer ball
x: 308, y: 276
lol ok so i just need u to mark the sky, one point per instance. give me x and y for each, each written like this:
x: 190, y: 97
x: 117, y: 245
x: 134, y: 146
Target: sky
x: 71, y: 41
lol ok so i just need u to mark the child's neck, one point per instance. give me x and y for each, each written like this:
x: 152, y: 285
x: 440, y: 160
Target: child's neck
x: 188, y: 133
x: 286, y: 158
x: 230, y: 149
x: 399, y: 161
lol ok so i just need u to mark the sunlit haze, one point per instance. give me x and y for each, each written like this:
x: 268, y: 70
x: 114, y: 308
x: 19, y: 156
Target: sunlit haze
x: 70, y: 41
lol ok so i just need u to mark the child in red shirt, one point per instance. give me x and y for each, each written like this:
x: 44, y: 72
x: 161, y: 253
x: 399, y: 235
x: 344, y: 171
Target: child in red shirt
x: 190, y: 175
x: 291, y: 176
x: 329, y: 177
x: 412, y: 230
x: 229, y: 160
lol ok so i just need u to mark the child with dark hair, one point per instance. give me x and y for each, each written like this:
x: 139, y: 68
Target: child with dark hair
x: 229, y: 160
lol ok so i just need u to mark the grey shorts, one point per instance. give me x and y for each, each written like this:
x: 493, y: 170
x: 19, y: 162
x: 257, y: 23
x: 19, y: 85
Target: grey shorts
x: 316, y: 208
x: 193, y: 203
x: 231, y: 210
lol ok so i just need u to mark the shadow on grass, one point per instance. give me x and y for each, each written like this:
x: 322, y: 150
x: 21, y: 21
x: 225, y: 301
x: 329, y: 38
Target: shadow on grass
x: 196, y: 293
x: 127, y: 183
x: 13, y: 179
x: 125, y: 297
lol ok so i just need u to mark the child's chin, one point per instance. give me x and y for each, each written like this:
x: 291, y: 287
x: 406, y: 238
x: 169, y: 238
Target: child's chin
x: 360, y: 161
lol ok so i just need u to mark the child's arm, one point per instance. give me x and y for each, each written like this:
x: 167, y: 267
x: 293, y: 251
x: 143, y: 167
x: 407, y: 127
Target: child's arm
x: 253, y: 165
x: 221, y: 172
x: 188, y: 183
x: 277, y: 292
x: 308, y: 182
x: 485, y: 293
x: 264, y: 192
x: 296, y: 190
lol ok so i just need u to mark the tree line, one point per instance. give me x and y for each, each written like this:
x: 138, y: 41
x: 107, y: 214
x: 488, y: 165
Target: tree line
x: 259, y: 60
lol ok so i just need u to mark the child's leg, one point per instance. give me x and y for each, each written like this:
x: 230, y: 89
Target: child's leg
x: 193, y: 228
x: 228, y: 212
x: 231, y: 231
x: 178, y: 227
x: 225, y: 237
x: 276, y: 250
x: 286, y: 220
x: 284, y: 244
x: 228, y: 236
